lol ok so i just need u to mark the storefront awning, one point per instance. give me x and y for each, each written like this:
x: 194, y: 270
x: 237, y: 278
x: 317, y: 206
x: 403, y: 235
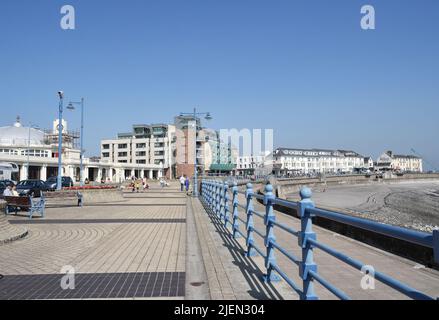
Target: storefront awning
x: 222, y: 167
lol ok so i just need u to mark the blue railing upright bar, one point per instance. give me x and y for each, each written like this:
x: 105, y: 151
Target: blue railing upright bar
x: 215, y: 196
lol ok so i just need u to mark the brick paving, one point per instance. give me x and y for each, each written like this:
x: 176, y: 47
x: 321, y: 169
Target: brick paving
x: 127, y: 249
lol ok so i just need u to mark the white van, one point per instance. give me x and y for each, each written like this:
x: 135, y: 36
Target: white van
x: 8, y: 171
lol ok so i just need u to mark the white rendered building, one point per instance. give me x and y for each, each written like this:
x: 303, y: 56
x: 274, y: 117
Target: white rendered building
x: 35, y: 152
x: 306, y: 161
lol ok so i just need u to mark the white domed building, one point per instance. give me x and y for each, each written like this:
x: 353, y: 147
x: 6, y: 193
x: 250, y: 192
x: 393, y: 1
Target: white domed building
x: 21, y: 145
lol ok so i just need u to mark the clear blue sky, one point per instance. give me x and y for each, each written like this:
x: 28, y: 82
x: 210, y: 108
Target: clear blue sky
x: 303, y: 68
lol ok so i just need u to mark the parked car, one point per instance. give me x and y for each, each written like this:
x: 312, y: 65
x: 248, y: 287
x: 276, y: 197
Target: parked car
x: 3, y: 186
x: 9, y: 182
x: 31, y: 188
x: 66, y: 182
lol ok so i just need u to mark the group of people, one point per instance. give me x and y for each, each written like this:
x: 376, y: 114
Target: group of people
x: 10, y: 191
x: 184, y: 183
x: 136, y: 184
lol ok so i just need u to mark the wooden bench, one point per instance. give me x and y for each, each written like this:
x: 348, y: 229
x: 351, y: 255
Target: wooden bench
x: 73, y: 195
x: 34, y: 205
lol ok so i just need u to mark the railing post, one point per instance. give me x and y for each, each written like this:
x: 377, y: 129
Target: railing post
x: 235, y: 203
x: 222, y: 190
x: 436, y: 246
x: 212, y: 196
x: 306, y: 233
x: 270, y: 238
x: 203, y: 193
x: 218, y: 199
x: 250, y: 225
x: 208, y: 194
x: 226, y: 204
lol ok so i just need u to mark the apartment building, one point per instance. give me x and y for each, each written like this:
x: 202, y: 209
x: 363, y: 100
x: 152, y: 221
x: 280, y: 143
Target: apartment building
x: 150, y: 148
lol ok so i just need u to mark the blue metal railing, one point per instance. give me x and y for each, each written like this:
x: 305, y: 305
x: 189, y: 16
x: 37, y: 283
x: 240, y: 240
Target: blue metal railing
x: 215, y: 197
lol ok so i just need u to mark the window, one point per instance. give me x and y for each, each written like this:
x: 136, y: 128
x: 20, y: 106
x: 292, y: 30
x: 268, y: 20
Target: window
x: 122, y: 154
x: 122, y: 145
x: 158, y: 145
x: 140, y: 161
x: 106, y: 154
x: 140, y: 145
x: 140, y: 153
x: 35, y: 153
x: 106, y: 146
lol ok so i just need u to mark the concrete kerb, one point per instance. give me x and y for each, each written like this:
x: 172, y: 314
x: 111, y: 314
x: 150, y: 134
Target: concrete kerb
x: 197, y: 284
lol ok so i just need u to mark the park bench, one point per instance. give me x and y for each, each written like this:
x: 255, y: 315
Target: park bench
x: 33, y: 205
x: 64, y: 195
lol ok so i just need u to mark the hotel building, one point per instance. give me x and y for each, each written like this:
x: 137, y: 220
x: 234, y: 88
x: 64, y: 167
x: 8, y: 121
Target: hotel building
x: 389, y: 161
x: 304, y: 161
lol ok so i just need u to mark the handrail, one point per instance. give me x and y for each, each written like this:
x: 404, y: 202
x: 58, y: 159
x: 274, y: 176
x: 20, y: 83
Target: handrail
x: 215, y: 197
x: 416, y: 237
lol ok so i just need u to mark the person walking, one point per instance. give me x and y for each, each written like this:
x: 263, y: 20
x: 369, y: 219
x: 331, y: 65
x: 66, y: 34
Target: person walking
x: 187, y: 183
x: 182, y: 182
x: 137, y: 184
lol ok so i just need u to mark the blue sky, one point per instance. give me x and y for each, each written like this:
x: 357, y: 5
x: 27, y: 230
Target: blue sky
x: 304, y: 68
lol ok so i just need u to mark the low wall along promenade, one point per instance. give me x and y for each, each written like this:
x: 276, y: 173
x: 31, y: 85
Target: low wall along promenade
x: 289, y: 189
x: 286, y: 186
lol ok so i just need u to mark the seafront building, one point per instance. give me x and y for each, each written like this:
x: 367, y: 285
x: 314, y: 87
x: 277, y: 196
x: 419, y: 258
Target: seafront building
x: 165, y: 150
x: 388, y: 161
x: 146, y: 151
x: 35, y: 154
x: 252, y: 164
x: 213, y: 155
x: 308, y: 161
x: 35, y: 151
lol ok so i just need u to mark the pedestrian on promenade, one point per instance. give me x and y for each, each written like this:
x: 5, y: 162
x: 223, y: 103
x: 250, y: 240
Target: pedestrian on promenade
x: 137, y: 185
x: 145, y: 184
x: 182, y: 182
x: 187, y: 183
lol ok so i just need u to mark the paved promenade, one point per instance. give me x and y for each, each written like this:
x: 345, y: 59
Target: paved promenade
x: 163, y: 245
x: 127, y: 249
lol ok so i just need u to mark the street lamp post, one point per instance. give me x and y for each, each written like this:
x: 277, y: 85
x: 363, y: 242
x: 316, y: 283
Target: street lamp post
x: 28, y: 149
x: 207, y: 117
x: 60, y: 131
x: 81, y: 156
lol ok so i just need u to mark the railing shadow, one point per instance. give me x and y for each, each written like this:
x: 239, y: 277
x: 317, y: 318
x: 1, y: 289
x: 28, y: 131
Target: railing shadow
x: 252, y: 273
